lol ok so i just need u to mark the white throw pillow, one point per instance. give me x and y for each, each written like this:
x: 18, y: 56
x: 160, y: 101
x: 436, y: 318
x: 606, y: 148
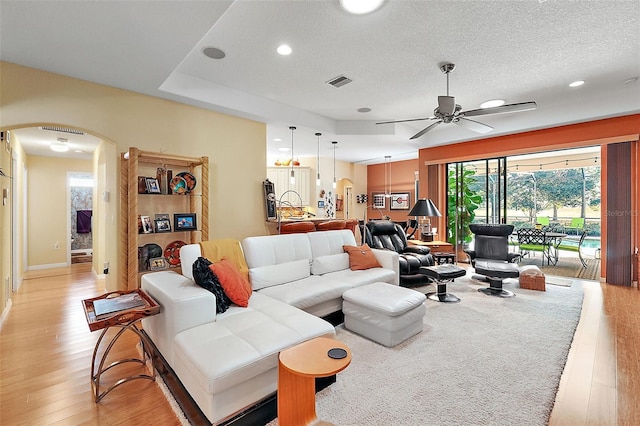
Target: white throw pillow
x: 334, y: 262
x: 267, y: 276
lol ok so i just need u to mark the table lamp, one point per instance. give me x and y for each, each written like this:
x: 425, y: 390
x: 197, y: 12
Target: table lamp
x: 425, y: 208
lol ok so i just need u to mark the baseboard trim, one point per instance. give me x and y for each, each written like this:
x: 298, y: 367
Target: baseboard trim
x: 47, y: 266
x: 261, y: 413
x: 5, y: 313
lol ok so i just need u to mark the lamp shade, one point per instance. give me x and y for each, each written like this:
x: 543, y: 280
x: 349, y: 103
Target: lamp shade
x: 424, y: 207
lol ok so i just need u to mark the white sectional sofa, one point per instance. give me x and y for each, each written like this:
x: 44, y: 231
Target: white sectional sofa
x: 228, y: 362
x: 311, y: 271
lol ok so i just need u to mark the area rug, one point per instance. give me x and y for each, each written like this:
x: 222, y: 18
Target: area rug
x: 564, y: 282
x: 567, y: 267
x: 182, y: 419
x: 482, y: 361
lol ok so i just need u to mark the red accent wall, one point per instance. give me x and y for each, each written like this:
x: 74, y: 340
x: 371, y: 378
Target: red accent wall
x: 402, y: 180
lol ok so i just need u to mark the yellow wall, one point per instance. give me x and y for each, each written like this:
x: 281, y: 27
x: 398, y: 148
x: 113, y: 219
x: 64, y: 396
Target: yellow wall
x: 105, y: 212
x: 236, y: 147
x: 47, y: 198
x: 5, y: 227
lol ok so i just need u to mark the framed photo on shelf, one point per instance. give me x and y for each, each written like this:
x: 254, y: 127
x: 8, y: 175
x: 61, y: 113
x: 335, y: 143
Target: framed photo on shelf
x: 153, y: 187
x: 163, y: 225
x: 184, y: 222
x: 142, y: 184
x: 147, y: 228
x: 157, y: 264
x: 379, y: 200
x: 400, y: 201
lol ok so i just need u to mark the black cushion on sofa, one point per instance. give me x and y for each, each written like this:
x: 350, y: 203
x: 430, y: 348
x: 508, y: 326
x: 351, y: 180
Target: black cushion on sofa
x: 205, y: 278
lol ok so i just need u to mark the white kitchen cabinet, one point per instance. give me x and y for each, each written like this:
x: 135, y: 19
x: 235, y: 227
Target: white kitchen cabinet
x: 280, y: 176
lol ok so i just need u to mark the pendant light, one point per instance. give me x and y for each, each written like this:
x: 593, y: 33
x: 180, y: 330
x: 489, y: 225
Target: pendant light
x: 334, y: 164
x: 292, y: 179
x: 387, y: 176
x: 318, y: 160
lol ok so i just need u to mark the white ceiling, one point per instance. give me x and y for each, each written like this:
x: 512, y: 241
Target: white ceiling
x: 518, y: 51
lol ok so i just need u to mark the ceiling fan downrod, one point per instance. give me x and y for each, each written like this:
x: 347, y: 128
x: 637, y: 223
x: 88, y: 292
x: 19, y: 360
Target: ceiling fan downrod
x: 447, y: 68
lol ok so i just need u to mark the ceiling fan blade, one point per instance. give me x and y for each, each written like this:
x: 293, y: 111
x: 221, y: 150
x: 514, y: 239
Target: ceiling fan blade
x: 473, y: 125
x: 522, y: 106
x: 446, y: 105
x: 425, y: 130
x: 405, y: 121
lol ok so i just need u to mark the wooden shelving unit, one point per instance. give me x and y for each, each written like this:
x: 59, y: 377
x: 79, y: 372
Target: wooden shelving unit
x: 136, y: 163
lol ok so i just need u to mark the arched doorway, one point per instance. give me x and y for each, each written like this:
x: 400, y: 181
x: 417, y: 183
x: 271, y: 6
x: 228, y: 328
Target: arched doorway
x: 41, y: 197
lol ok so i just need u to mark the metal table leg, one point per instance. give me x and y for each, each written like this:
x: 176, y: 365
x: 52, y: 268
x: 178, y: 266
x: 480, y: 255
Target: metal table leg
x: 97, y: 373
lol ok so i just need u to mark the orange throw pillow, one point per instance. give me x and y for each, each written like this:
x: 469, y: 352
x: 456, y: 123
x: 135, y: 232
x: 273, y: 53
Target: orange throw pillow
x: 361, y: 257
x: 234, y: 284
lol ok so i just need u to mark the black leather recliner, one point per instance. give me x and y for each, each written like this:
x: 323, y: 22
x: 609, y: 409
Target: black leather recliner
x: 491, y: 243
x: 384, y: 234
x: 491, y: 258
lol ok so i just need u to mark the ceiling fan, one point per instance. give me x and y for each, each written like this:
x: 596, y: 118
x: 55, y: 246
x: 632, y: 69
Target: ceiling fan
x: 450, y: 112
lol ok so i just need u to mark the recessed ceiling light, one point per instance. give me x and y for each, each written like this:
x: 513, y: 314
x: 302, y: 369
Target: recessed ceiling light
x: 365, y: 109
x: 59, y: 147
x: 277, y: 140
x: 213, y: 53
x: 284, y: 50
x: 360, y: 7
x: 492, y: 103
x: 577, y: 83
x: 284, y: 149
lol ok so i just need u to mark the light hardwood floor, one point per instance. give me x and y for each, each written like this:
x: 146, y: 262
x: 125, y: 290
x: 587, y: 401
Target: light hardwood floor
x: 46, y: 347
x: 600, y: 384
x: 45, y: 356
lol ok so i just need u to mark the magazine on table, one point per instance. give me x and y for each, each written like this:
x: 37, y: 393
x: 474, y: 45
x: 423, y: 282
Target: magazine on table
x: 106, y: 307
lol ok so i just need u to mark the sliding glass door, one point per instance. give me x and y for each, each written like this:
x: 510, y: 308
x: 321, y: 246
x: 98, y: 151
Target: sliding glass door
x: 477, y: 193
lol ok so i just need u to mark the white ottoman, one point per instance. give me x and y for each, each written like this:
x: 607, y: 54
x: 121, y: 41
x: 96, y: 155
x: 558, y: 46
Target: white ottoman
x: 385, y: 313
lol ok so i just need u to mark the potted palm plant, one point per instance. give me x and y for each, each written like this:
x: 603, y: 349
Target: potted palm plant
x: 462, y: 202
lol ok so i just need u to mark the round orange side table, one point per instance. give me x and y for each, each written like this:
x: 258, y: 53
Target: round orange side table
x: 297, y: 369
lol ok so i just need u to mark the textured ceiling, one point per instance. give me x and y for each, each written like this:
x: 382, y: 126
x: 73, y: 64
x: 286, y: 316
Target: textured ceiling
x: 518, y: 51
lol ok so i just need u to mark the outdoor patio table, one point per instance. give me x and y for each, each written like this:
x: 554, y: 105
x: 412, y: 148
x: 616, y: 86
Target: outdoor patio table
x: 552, y: 240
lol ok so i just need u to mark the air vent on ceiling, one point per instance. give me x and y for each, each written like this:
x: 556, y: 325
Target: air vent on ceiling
x: 339, y: 81
x: 62, y: 129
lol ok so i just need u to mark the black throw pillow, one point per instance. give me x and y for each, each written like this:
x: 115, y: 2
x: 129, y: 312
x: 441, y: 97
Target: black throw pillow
x: 205, y: 278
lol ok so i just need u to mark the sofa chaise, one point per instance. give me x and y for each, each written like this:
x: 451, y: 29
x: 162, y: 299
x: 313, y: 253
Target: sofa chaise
x: 228, y: 362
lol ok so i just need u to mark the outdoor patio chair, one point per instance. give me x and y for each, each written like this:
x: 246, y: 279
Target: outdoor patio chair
x: 574, y: 246
x: 543, y: 220
x: 577, y: 224
x: 533, y: 240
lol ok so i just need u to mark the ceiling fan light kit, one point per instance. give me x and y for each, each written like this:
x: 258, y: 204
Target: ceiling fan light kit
x: 450, y: 112
x: 360, y: 7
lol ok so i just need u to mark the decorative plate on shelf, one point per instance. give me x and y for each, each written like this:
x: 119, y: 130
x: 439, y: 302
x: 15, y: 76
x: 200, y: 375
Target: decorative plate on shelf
x: 172, y: 252
x: 178, y: 185
x: 190, y: 179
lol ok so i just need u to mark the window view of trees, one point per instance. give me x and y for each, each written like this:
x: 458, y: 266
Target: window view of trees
x: 554, y: 196
x: 552, y: 190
